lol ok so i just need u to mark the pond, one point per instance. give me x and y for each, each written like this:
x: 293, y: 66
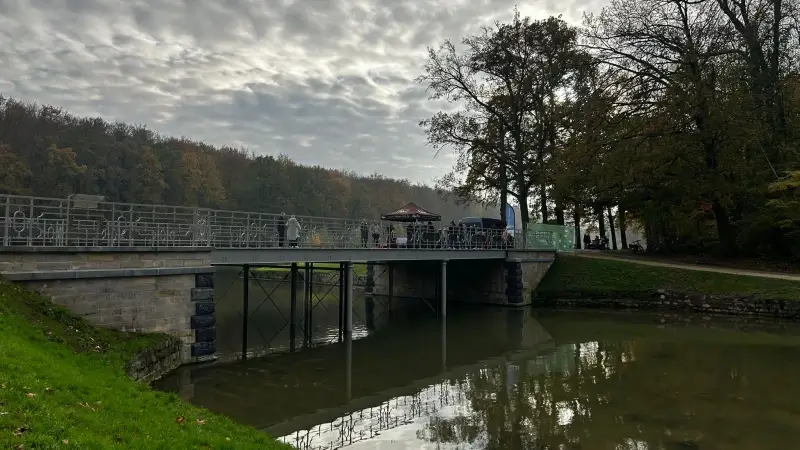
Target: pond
x: 499, y: 378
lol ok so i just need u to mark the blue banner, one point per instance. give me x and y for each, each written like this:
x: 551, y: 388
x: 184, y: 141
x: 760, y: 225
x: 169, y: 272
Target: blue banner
x: 510, y: 222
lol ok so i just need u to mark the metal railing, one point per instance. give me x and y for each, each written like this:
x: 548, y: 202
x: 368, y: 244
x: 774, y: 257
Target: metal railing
x: 89, y: 221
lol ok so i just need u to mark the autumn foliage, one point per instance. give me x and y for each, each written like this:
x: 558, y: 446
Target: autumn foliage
x: 46, y: 152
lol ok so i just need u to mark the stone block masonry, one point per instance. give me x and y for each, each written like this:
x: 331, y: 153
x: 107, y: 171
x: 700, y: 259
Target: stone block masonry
x: 130, y: 289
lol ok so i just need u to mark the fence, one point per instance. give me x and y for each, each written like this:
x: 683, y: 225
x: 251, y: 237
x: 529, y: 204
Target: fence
x: 84, y: 220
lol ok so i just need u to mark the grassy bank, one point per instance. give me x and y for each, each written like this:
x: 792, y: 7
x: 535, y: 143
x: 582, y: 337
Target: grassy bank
x: 603, y: 278
x: 358, y: 269
x: 63, y: 385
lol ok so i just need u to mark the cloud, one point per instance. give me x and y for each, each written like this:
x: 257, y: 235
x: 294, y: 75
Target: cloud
x: 327, y: 82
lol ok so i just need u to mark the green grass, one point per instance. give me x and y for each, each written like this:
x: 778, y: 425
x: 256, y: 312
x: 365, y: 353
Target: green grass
x: 602, y: 277
x: 358, y: 269
x: 63, y: 385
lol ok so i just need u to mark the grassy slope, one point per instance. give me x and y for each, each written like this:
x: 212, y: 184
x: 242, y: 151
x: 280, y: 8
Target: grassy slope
x: 573, y: 274
x: 63, y: 381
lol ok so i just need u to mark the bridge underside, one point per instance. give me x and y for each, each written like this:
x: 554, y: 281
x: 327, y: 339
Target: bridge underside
x: 238, y: 257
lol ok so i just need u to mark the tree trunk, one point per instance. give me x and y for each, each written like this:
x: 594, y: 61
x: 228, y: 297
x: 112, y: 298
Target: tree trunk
x: 559, y: 213
x: 524, y: 212
x: 650, y: 236
x: 544, y: 204
x: 503, y: 192
x: 576, y: 216
x: 623, y: 228
x: 601, y: 223
x: 611, y: 226
x: 727, y: 236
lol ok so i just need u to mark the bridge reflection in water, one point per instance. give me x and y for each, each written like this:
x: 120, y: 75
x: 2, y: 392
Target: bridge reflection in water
x: 341, y: 393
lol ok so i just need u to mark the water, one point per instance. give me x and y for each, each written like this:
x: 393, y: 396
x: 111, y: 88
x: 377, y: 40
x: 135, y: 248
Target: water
x: 510, y: 379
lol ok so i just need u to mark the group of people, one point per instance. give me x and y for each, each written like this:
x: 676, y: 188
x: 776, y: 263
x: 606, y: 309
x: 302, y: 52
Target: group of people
x: 598, y: 243
x: 288, y: 229
x: 418, y: 235
x: 370, y: 230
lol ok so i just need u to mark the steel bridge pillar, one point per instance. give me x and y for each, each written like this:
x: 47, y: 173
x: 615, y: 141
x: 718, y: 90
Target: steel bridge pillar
x: 341, y: 299
x: 293, y: 309
x: 349, y: 298
x: 443, y: 291
x: 245, y: 307
x: 391, y: 286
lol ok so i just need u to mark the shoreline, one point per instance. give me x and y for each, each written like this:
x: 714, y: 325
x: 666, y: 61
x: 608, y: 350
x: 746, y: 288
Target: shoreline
x: 596, y: 282
x: 674, y: 301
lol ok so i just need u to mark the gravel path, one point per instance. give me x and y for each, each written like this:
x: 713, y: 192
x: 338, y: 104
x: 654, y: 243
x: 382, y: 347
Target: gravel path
x: 749, y: 273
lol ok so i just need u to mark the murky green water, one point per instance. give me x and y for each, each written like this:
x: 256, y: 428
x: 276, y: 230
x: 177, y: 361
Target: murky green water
x: 509, y: 379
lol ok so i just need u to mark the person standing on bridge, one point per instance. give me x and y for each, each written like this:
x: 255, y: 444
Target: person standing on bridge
x: 375, y: 230
x: 281, y: 229
x: 364, y: 233
x: 293, y: 231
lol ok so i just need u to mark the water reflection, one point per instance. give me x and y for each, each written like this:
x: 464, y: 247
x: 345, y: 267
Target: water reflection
x: 502, y: 379
x: 317, y: 316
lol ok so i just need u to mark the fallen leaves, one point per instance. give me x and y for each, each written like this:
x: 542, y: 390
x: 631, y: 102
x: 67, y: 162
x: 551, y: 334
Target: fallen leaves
x: 20, y: 431
x: 30, y: 395
x: 201, y: 421
x: 179, y: 419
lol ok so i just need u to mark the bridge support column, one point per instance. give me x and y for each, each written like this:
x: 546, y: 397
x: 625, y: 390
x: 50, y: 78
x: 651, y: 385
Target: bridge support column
x: 306, y: 303
x: 245, y: 307
x: 444, y: 346
x: 342, y: 283
x: 443, y: 290
x: 348, y: 330
x: 293, y: 308
x: 348, y: 368
x: 310, y: 316
x: 349, y: 299
x: 391, y: 286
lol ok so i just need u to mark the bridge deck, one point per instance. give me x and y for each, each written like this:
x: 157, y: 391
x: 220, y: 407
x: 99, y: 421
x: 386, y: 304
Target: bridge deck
x: 238, y: 257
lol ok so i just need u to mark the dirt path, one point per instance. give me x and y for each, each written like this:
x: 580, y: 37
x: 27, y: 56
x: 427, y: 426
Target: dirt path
x: 717, y: 269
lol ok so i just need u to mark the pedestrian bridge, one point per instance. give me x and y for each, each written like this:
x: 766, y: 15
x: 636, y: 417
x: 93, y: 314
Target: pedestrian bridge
x: 85, y: 223
x: 151, y: 267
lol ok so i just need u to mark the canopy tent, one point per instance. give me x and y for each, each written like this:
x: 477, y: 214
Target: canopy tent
x: 411, y: 213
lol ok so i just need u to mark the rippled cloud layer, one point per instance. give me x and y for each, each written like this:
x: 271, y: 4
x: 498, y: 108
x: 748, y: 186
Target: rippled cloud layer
x: 326, y: 82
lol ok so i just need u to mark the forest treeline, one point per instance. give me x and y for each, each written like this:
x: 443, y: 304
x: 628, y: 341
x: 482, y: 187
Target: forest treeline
x: 681, y: 117
x: 46, y: 152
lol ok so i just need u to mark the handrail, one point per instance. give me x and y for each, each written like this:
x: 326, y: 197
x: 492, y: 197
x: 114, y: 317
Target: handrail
x: 51, y: 222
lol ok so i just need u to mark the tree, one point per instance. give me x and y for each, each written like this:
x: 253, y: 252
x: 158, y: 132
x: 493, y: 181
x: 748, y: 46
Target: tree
x: 147, y: 180
x: 504, y: 83
x: 15, y: 177
x: 675, y: 51
x: 62, y: 174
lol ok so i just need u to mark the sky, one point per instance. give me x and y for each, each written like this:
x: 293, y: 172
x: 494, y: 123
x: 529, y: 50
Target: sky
x: 327, y: 82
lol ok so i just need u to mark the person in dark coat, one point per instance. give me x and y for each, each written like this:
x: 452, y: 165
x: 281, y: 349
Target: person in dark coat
x: 364, y: 233
x: 452, y: 234
x: 281, y: 229
x: 586, y: 240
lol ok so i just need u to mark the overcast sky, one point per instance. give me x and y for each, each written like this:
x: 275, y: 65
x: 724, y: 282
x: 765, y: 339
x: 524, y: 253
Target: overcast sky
x: 327, y: 82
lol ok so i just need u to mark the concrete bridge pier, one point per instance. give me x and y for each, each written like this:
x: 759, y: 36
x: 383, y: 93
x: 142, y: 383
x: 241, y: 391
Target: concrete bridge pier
x: 509, y: 282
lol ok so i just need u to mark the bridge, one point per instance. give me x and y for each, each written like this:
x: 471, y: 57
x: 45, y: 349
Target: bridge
x: 150, y: 267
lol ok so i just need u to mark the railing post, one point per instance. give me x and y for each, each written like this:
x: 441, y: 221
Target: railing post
x: 7, y: 223
x: 131, y: 241
x: 30, y: 224
x: 247, y: 233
